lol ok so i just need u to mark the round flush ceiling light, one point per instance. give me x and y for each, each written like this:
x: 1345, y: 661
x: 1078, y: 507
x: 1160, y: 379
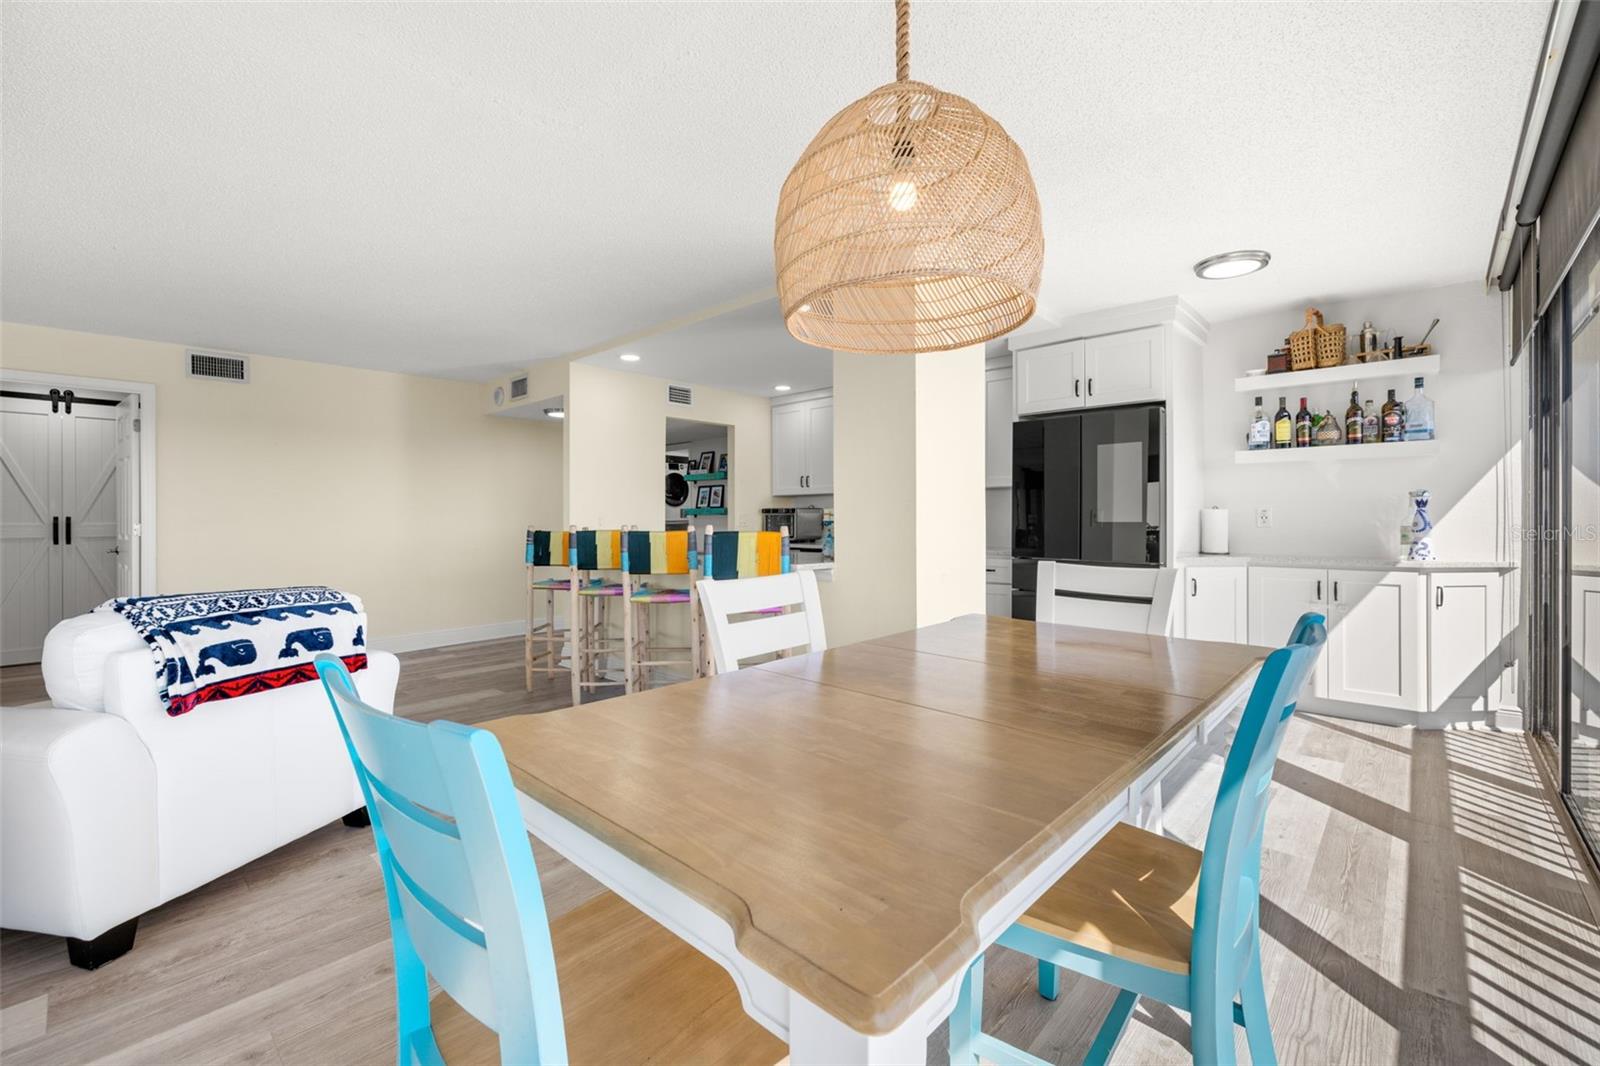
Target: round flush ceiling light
x: 629, y: 357
x: 1232, y: 264
x: 555, y: 412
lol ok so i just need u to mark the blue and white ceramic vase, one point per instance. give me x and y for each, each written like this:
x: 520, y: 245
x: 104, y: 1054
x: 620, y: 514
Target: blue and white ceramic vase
x: 1421, y: 527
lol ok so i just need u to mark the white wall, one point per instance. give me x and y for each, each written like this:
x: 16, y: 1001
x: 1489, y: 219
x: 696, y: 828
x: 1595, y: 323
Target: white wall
x: 616, y: 444
x: 1356, y: 508
x: 395, y: 487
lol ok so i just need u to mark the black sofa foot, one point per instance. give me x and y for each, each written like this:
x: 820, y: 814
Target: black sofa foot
x: 111, y: 944
x: 358, y: 818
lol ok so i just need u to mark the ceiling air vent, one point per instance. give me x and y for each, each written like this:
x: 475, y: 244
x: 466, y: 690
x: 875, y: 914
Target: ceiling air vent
x: 519, y: 388
x: 218, y: 367
x: 680, y: 394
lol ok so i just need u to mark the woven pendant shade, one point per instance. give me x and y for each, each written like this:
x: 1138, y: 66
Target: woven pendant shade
x: 910, y: 224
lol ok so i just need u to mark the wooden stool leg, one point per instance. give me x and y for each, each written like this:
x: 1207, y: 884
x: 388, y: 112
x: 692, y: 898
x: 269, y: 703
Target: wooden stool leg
x: 575, y: 634
x: 630, y: 654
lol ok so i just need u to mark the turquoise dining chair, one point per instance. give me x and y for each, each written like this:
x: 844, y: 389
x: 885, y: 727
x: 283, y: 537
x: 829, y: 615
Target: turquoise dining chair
x: 1158, y: 918
x: 455, y: 862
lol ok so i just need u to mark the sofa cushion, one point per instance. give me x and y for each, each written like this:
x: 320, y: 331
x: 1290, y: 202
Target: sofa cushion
x: 74, y: 659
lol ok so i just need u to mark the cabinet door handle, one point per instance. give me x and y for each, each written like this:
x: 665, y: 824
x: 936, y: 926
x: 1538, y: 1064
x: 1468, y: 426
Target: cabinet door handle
x: 1319, y: 590
x: 1077, y: 384
x: 1091, y: 386
x: 69, y: 529
x: 1194, y: 587
x: 1438, y: 597
x: 55, y: 529
x: 1335, y: 592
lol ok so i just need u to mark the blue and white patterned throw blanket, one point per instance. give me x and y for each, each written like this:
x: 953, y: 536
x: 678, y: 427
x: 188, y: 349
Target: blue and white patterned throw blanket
x: 217, y: 645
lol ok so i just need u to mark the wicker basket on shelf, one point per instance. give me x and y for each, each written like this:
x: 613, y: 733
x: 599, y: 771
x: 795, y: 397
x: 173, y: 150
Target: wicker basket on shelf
x: 1316, y: 346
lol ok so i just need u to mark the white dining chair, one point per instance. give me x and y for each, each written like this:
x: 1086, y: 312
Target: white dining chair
x: 776, y: 614
x: 1134, y: 599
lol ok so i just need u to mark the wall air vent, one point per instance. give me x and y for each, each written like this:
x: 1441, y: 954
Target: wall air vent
x: 217, y: 367
x: 519, y: 388
x: 680, y: 394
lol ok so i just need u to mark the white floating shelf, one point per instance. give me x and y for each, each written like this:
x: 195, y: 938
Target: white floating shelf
x: 1334, y: 453
x: 1418, y: 366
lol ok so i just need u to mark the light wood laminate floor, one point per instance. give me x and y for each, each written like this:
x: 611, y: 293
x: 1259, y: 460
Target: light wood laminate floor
x: 1421, y: 904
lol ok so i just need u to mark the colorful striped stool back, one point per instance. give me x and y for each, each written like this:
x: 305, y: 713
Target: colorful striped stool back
x: 647, y: 552
x: 596, y: 549
x: 547, y: 547
x: 740, y: 553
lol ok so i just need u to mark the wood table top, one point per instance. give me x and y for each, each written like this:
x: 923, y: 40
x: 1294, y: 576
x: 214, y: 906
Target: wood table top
x: 852, y: 813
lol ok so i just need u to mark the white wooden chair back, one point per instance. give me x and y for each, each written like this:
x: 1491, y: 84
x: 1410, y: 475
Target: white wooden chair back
x: 732, y: 642
x: 1134, y: 599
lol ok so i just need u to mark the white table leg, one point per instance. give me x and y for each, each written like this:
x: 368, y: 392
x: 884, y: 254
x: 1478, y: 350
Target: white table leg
x: 817, y: 1038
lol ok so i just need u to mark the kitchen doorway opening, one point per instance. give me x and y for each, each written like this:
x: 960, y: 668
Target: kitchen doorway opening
x: 699, y: 465
x: 77, y: 489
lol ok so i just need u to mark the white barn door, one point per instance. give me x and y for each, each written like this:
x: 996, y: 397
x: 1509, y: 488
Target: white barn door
x: 68, y: 494
x: 30, y: 527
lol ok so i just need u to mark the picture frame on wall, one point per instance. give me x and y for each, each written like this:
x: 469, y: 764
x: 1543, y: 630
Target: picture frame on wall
x: 702, y: 498
x: 724, y: 463
x: 708, y: 460
x: 716, y: 496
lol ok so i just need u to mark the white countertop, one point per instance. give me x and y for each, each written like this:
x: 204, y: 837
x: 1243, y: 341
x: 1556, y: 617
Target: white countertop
x: 1334, y: 562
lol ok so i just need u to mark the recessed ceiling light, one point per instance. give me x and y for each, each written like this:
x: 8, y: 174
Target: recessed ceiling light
x: 1232, y: 264
x: 780, y: 388
x: 629, y: 357
x: 555, y: 412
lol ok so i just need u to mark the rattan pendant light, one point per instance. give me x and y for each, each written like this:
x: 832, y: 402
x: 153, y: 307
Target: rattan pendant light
x: 910, y: 224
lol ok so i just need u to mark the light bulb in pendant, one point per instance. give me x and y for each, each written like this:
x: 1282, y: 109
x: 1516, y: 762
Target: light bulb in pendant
x: 903, y: 195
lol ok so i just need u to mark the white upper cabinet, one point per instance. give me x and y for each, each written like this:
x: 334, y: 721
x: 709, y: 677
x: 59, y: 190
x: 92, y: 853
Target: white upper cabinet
x: 997, y: 419
x: 1103, y: 371
x: 1125, y: 368
x: 1464, y: 629
x: 1049, y: 378
x: 802, y: 447
x: 1376, y: 643
x: 1215, y: 603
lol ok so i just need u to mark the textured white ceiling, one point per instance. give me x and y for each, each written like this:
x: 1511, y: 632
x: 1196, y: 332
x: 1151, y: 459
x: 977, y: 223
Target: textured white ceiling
x: 455, y: 189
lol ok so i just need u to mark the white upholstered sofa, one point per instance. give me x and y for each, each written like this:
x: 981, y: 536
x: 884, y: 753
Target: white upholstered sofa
x: 109, y: 806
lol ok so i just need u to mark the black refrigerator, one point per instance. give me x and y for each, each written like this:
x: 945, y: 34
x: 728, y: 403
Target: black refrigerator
x: 1085, y: 487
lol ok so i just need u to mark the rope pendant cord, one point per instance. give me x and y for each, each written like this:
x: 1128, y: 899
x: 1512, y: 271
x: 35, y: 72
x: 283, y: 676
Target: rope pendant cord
x: 902, y: 40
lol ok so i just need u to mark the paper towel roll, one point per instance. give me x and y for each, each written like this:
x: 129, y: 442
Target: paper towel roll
x: 1214, y: 531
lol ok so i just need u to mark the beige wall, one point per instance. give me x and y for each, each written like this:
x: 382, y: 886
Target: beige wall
x: 616, y: 448
x: 908, y: 492
x: 395, y: 487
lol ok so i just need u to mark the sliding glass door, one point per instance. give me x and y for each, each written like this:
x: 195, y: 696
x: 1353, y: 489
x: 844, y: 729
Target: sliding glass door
x: 1561, y: 542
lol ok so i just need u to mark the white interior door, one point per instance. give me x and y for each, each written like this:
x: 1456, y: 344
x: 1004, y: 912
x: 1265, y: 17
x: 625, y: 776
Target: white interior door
x: 30, y: 511
x: 127, y: 549
x: 89, y: 507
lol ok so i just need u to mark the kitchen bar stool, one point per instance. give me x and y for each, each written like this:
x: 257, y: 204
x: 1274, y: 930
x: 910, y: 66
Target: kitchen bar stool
x: 594, y: 553
x: 1158, y: 918
x: 652, y: 553
x: 545, y: 549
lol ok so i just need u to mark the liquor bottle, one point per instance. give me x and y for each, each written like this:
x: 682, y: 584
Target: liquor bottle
x: 1328, y: 430
x: 1302, y: 426
x: 1419, y: 414
x: 1369, y: 423
x: 1352, y: 420
x: 1283, y: 425
x: 1260, y: 435
x: 1393, y: 420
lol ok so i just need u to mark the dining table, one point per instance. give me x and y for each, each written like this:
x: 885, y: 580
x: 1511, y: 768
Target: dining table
x: 846, y: 831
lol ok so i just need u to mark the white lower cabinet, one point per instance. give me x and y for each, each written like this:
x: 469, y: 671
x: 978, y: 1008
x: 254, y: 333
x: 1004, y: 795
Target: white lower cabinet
x: 1377, y: 650
x: 997, y: 587
x: 1465, y: 659
x: 1405, y: 641
x: 1216, y: 603
x: 1279, y: 595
